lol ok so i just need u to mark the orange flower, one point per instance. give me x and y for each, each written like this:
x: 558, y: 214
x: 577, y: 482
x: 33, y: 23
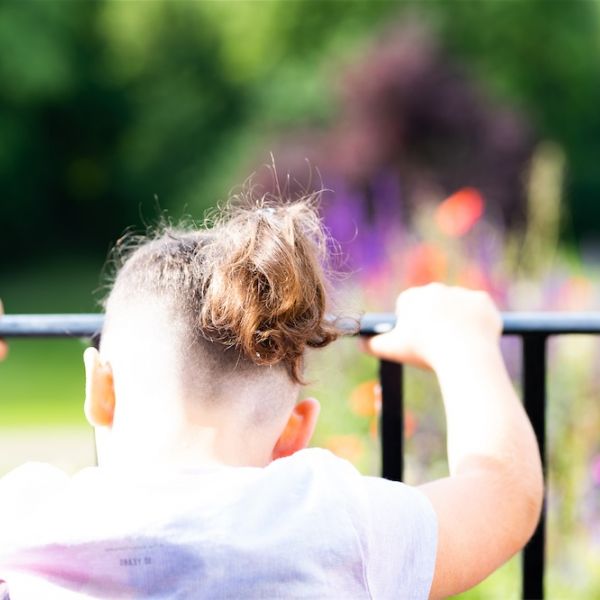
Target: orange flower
x: 350, y: 447
x: 365, y: 398
x: 425, y: 263
x: 456, y: 215
x: 410, y: 424
x: 474, y: 278
x: 374, y: 428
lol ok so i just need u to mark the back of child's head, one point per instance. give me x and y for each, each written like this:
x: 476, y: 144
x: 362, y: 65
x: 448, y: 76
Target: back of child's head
x: 225, y: 309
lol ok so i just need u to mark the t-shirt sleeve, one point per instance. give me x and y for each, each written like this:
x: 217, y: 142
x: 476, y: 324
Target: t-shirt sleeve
x: 402, y: 540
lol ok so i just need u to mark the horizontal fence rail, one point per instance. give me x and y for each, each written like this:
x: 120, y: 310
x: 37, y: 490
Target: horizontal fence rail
x: 533, y: 328
x: 514, y: 323
x: 80, y: 326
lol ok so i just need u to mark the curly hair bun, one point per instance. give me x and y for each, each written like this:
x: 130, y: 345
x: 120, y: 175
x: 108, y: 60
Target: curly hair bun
x: 265, y: 290
x: 255, y: 281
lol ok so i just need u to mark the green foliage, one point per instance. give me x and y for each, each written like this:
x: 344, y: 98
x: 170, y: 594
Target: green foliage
x: 113, y: 110
x: 110, y: 111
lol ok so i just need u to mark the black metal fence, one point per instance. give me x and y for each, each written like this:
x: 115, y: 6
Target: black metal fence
x: 534, y: 329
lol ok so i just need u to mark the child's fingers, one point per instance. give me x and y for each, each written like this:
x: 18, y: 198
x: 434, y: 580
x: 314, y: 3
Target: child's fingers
x: 383, y: 346
x: 363, y: 344
x: 391, y: 346
x: 386, y: 346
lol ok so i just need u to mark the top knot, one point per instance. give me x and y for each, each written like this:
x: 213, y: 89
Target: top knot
x: 266, y: 293
x: 255, y: 281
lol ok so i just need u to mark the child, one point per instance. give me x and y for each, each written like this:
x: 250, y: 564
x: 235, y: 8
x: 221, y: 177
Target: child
x: 205, y: 487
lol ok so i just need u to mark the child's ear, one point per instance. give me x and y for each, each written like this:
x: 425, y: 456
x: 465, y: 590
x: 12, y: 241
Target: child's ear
x: 299, y: 428
x: 99, y: 404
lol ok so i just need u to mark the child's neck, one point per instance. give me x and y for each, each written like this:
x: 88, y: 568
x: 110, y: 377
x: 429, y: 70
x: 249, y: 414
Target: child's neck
x: 189, y: 446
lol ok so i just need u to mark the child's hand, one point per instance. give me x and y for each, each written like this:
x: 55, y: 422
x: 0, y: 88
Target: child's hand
x: 434, y: 323
x: 3, y: 346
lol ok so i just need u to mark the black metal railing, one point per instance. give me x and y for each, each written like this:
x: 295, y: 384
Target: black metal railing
x: 534, y: 329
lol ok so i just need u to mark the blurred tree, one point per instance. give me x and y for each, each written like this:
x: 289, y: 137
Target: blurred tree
x: 545, y: 58
x: 545, y: 68
x: 110, y: 111
x: 106, y: 105
x: 408, y: 108
x: 86, y: 137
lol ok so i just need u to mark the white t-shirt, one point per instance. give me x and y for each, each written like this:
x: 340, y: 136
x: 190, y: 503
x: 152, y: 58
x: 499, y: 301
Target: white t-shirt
x: 306, y: 526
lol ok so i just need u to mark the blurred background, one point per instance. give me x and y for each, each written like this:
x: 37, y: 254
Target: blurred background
x: 455, y: 141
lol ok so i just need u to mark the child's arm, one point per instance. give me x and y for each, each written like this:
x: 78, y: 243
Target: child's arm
x: 489, y: 506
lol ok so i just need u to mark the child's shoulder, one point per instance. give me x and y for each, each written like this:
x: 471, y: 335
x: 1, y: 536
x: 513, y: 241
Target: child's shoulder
x: 316, y: 461
x: 33, y: 475
x: 23, y: 487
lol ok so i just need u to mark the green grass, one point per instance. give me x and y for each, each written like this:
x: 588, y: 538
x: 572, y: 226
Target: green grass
x: 42, y: 381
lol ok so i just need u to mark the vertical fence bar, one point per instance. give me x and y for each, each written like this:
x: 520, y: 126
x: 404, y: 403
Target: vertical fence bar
x: 534, y: 397
x: 392, y: 420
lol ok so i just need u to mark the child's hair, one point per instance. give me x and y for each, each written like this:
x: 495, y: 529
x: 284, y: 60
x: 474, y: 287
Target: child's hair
x: 253, y: 280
